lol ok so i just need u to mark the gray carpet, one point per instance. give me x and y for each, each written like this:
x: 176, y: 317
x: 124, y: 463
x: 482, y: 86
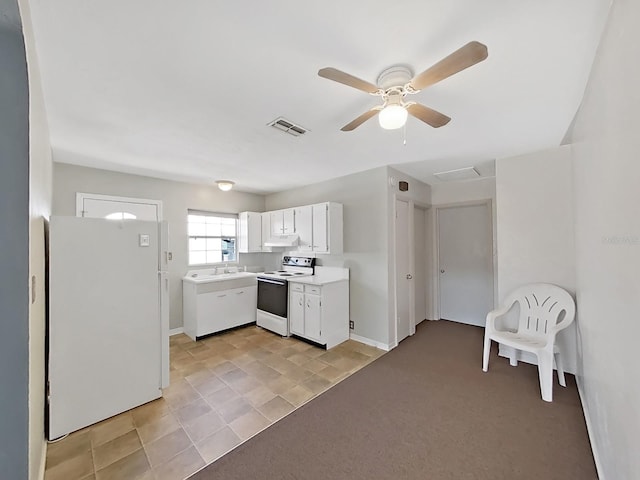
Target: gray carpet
x: 425, y: 410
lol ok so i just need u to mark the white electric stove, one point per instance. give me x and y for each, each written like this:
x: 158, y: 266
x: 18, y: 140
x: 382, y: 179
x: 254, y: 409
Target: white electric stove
x: 273, y: 293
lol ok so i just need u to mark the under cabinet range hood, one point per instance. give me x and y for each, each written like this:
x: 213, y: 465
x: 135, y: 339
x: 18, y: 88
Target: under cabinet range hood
x: 282, y: 241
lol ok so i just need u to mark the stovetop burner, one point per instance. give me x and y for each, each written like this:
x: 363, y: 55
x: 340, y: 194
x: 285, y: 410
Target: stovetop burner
x: 292, y: 267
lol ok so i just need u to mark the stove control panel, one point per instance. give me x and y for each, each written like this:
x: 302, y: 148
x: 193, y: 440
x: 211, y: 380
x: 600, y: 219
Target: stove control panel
x: 298, y: 261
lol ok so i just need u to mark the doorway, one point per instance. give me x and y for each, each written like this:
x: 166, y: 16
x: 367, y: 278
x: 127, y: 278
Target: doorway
x: 465, y: 263
x: 404, y: 285
x: 420, y: 275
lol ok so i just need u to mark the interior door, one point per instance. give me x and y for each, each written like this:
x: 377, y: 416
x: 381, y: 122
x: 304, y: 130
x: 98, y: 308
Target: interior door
x: 403, y: 271
x: 465, y: 263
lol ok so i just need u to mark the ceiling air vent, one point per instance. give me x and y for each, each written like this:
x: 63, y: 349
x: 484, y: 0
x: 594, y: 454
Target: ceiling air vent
x: 460, y: 174
x: 288, y: 127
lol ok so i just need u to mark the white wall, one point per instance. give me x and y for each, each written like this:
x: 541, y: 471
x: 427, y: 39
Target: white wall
x: 177, y: 198
x: 40, y: 187
x: 606, y: 165
x: 364, y: 198
x: 466, y: 191
x: 535, y: 222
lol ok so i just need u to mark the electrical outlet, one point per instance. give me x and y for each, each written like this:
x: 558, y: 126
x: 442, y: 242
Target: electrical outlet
x: 351, y: 324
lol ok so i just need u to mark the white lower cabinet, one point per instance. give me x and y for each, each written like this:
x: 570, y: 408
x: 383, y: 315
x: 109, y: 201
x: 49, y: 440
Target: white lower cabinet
x: 214, y: 311
x: 320, y: 313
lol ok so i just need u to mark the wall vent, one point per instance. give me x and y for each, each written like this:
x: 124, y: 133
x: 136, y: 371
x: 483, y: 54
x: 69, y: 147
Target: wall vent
x: 460, y: 174
x: 288, y: 127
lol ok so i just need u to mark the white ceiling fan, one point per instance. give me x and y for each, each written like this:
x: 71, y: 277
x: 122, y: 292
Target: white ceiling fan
x: 396, y: 82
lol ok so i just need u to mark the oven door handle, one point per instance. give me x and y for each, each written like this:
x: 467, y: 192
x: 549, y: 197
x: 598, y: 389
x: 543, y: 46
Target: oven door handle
x: 276, y: 282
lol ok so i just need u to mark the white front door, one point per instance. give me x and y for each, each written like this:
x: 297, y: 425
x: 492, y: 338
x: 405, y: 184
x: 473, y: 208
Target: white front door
x: 403, y: 271
x: 465, y: 263
x: 104, y: 206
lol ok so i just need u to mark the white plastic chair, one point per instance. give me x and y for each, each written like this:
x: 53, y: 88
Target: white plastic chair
x: 541, y: 307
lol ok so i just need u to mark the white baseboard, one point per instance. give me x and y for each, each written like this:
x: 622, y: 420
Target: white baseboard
x: 176, y: 331
x: 590, y: 430
x: 43, y: 461
x: 368, y: 341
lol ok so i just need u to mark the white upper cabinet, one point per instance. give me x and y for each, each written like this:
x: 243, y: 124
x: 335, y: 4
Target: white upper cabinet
x: 282, y: 222
x: 249, y: 232
x: 327, y: 228
x: 266, y: 230
x: 318, y: 227
x: 304, y: 227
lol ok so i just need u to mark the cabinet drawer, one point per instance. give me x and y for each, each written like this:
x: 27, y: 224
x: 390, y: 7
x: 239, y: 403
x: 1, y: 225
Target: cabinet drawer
x: 297, y: 287
x: 312, y: 289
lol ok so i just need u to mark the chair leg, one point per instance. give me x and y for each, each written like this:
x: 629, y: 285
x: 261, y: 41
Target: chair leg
x: 513, y: 357
x: 486, y: 352
x: 545, y: 373
x: 558, y: 360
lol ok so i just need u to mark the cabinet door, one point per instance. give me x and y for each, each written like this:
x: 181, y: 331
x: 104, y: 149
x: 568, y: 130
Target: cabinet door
x: 249, y: 232
x: 243, y: 232
x: 296, y: 312
x: 254, y: 231
x: 304, y: 228
x: 320, y: 228
x: 266, y: 229
x: 312, y: 317
x: 288, y: 221
x: 213, y: 309
x: 277, y: 222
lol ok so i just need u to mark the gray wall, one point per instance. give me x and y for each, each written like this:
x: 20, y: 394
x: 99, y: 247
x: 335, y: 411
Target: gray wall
x: 14, y: 238
x: 364, y: 198
x: 535, y: 230
x: 39, y: 211
x: 177, y: 198
x: 606, y: 149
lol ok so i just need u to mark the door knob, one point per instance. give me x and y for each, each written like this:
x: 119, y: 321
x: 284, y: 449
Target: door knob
x: 442, y: 271
x: 409, y: 277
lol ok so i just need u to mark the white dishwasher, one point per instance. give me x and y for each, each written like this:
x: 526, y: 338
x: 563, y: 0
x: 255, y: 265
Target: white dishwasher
x: 213, y: 302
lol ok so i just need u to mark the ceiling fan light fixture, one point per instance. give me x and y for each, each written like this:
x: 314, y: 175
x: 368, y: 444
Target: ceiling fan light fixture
x: 392, y: 117
x: 225, y: 185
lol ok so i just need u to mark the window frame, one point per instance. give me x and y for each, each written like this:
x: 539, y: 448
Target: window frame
x: 207, y: 213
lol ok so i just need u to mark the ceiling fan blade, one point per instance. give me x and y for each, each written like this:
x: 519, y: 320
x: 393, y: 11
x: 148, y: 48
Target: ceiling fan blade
x: 346, y: 79
x: 465, y: 57
x: 360, y: 120
x: 427, y: 115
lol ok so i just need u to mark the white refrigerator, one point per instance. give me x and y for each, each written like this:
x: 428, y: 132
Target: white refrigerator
x: 108, y: 333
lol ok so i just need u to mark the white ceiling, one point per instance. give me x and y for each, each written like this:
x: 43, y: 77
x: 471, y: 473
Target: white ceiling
x: 184, y: 89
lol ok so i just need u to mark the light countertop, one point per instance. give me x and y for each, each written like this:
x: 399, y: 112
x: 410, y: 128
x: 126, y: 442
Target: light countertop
x: 319, y: 280
x: 324, y: 276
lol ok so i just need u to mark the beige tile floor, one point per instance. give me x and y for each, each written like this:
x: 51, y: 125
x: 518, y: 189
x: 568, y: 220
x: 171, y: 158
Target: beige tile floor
x: 224, y: 389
